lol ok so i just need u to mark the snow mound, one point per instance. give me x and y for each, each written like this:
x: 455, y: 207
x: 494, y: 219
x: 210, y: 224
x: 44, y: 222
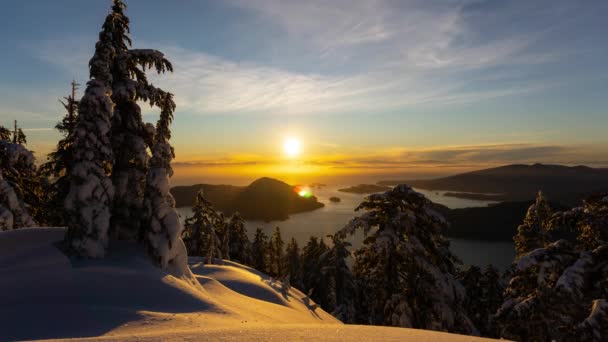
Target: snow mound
x: 46, y: 295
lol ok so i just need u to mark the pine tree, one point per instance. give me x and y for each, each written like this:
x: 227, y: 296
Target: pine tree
x: 533, y: 232
x: 163, y: 231
x: 275, y: 251
x: 239, y: 247
x: 200, y: 230
x: 405, y: 265
x: 18, y: 135
x: 130, y: 137
x: 60, y: 162
x: 259, y: 251
x: 484, y: 296
x: 313, y: 278
x: 5, y: 134
x: 292, y: 262
x: 21, y: 183
x: 558, y: 292
x: 89, y: 200
x: 13, y: 212
x: 342, y: 289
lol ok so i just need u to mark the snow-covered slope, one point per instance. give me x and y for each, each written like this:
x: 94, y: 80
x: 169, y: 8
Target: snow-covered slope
x: 45, y: 295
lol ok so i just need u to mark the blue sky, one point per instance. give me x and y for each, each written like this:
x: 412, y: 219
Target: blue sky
x: 367, y: 85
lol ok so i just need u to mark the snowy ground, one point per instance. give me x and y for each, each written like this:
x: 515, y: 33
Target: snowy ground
x: 45, y: 295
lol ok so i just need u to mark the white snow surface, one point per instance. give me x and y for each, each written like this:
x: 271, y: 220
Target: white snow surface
x: 46, y: 295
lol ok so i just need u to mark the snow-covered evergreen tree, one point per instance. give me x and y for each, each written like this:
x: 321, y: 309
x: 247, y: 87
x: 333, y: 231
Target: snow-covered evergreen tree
x: 163, y: 229
x: 5, y: 134
x: 130, y: 137
x: 533, y: 233
x: 60, y: 161
x: 13, y: 213
x: 259, y: 251
x: 405, y: 264
x: 89, y: 200
x: 275, y: 252
x: 200, y: 230
x: 239, y: 247
x: 342, y: 292
x: 21, y: 188
x: 558, y: 292
x: 292, y: 262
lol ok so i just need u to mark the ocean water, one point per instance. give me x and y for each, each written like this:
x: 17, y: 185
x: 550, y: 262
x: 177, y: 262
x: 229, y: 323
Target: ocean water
x: 334, y: 216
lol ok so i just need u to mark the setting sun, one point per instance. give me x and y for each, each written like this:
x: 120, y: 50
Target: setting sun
x: 292, y: 146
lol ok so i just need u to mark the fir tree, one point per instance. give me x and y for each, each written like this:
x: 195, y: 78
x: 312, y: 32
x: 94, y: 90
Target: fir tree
x: 60, y: 162
x: 484, y: 296
x: 405, y: 265
x: 130, y: 137
x: 259, y: 251
x: 200, y: 230
x: 342, y: 290
x: 558, y: 292
x: 5, y: 134
x: 313, y: 278
x: 292, y: 262
x: 91, y: 192
x: 13, y: 212
x: 239, y: 247
x: 275, y: 251
x: 533, y: 232
x: 20, y: 177
x: 163, y: 230
x: 18, y: 135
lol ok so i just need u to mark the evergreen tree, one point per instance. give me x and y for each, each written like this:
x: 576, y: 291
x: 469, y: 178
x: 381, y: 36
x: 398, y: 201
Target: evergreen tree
x: 21, y: 183
x: 342, y: 290
x: 239, y: 247
x: 60, y: 162
x: 275, y: 252
x: 91, y: 192
x: 405, y: 265
x: 130, y: 137
x: 292, y: 262
x: 559, y: 292
x: 533, y: 233
x: 18, y: 135
x: 163, y: 231
x: 13, y: 212
x: 313, y: 278
x: 5, y: 134
x: 200, y: 234
x: 259, y: 251
x: 484, y: 296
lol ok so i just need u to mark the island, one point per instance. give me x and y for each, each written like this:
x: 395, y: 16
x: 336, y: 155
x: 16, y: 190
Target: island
x: 474, y: 196
x: 335, y: 199
x: 365, y: 189
x: 265, y: 199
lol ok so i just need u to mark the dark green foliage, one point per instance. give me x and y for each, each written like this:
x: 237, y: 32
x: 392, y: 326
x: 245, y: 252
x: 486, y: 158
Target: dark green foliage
x: 313, y: 278
x: 275, y: 253
x: 200, y: 230
x: 59, y: 162
x: 293, y: 266
x: 259, y: 251
x: 239, y: 247
x: 484, y: 296
x: 342, y: 290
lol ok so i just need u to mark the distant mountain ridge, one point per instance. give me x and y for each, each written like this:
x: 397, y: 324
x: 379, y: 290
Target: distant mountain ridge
x: 264, y: 199
x: 520, y: 182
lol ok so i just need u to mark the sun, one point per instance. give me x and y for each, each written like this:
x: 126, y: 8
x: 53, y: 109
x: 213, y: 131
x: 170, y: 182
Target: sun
x: 292, y: 146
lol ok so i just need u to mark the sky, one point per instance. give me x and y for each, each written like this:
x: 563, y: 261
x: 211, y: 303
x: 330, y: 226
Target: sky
x: 372, y: 89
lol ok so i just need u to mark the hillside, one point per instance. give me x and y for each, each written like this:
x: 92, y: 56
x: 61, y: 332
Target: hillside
x: 264, y: 199
x: 518, y: 182
x: 123, y: 297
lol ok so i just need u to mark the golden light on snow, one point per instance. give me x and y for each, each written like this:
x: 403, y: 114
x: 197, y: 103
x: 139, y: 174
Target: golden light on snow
x: 292, y: 146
